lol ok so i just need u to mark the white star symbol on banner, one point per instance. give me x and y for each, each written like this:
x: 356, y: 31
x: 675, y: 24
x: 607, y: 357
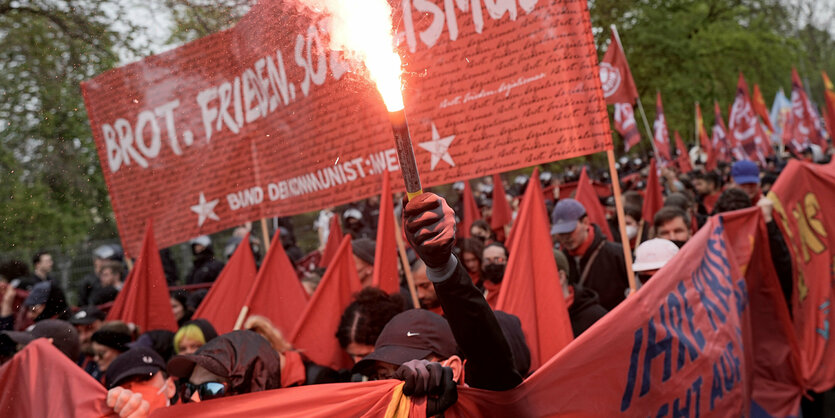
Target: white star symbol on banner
x: 439, y: 147
x: 205, y: 210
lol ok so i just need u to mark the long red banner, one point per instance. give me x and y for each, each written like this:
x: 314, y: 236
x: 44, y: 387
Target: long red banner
x: 261, y: 120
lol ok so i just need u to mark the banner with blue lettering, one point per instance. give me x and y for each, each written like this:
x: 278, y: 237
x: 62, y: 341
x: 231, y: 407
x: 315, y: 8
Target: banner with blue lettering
x: 706, y: 336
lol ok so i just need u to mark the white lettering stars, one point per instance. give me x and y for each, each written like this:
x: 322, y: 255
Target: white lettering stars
x: 439, y: 147
x: 205, y: 210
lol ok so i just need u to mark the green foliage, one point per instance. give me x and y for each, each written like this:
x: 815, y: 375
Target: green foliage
x: 693, y: 51
x: 52, y: 188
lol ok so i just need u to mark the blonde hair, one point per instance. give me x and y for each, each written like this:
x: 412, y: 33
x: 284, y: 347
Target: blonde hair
x: 192, y: 331
x: 266, y: 329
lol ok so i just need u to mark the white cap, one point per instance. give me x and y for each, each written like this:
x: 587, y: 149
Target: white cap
x: 203, y: 240
x: 352, y: 213
x: 653, y: 254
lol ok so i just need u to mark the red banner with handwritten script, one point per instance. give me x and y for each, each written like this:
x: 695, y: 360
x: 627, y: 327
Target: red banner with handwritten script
x: 262, y: 120
x: 803, y: 199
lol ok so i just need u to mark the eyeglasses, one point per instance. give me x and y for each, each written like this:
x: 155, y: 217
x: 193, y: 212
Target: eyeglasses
x: 495, y: 260
x: 206, y: 391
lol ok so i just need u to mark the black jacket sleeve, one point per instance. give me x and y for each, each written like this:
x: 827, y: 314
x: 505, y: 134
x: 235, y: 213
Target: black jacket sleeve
x: 477, y: 332
x: 782, y: 260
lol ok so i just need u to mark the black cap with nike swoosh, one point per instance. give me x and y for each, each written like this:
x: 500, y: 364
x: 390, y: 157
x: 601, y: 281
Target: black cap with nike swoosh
x: 411, y: 335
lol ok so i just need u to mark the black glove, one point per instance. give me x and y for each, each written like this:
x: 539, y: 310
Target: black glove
x: 429, y: 223
x: 430, y: 379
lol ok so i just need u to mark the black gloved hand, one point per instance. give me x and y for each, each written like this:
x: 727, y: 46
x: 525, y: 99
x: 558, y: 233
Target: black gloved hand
x: 430, y: 379
x: 429, y: 223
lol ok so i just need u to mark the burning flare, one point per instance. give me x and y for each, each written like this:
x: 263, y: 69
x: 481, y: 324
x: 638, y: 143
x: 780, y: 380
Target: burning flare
x: 362, y: 29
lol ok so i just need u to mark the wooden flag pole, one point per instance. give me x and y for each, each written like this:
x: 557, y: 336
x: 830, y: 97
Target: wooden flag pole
x: 266, y: 235
x: 640, y: 233
x: 627, y: 253
x: 241, y: 316
x: 404, y: 263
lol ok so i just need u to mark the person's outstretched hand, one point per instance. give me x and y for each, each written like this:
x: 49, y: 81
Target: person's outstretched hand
x: 430, y: 379
x: 429, y: 223
x: 127, y: 404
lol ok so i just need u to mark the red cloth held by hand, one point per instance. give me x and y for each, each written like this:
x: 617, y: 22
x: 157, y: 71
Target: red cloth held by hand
x: 429, y: 224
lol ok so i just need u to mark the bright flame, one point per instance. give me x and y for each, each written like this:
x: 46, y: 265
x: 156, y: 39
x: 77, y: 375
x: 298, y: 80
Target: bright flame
x: 362, y: 29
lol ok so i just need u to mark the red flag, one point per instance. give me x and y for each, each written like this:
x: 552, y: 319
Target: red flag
x: 502, y: 214
x: 661, y: 134
x: 626, y: 126
x: 28, y: 386
x: 802, y: 209
x: 227, y: 295
x: 314, y: 332
x: 744, y: 129
x: 144, y: 298
x: 760, y: 107
x: 588, y: 198
x: 615, y: 77
x: 278, y: 293
x: 471, y: 212
x: 530, y: 288
x: 653, y: 195
x: 334, y: 238
x: 704, y: 141
x: 801, y: 127
x: 719, y: 138
x: 385, y: 274
x: 829, y: 98
x: 683, y: 160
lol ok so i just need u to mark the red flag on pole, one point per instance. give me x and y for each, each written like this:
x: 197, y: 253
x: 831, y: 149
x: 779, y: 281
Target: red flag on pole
x: 144, y: 298
x: 227, y: 295
x: 719, y: 138
x: 626, y: 126
x: 760, y: 107
x: 588, y: 198
x: 801, y: 127
x: 704, y: 140
x: 683, y: 160
x: 334, y: 238
x: 278, y: 293
x: 385, y: 274
x: 471, y: 212
x: 314, y: 332
x: 530, y: 288
x: 653, y: 195
x: 744, y: 129
x: 661, y: 134
x: 502, y: 214
x: 829, y: 98
x: 615, y: 77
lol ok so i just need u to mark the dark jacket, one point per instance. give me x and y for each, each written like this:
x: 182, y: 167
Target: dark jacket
x: 607, y: 275
x: 490, y: 363
x: 205, y: 269
x: 782, y: 260
x: 585, y: 310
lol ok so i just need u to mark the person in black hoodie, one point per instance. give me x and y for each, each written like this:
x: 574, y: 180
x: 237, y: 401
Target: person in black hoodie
x: 205, y: 268
x: 583, y: 304
x: 594, y: 262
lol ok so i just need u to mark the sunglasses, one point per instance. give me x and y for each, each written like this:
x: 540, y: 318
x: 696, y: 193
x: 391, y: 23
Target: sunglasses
x: 205, y: 391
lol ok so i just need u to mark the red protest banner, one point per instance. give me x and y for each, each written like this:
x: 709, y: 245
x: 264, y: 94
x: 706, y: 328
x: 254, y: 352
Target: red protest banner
x: 262, y: 120
x: 801, y: 196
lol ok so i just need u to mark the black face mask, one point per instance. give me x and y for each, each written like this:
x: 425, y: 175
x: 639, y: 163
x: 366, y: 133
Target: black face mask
x: 678, y: 243
x: 493, y: 272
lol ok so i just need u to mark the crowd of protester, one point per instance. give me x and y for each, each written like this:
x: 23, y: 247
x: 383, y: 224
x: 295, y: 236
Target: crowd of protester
x: 455, y: 339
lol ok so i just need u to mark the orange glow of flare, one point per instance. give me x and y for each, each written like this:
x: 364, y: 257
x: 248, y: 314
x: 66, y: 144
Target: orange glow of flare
x: 362, y: 29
